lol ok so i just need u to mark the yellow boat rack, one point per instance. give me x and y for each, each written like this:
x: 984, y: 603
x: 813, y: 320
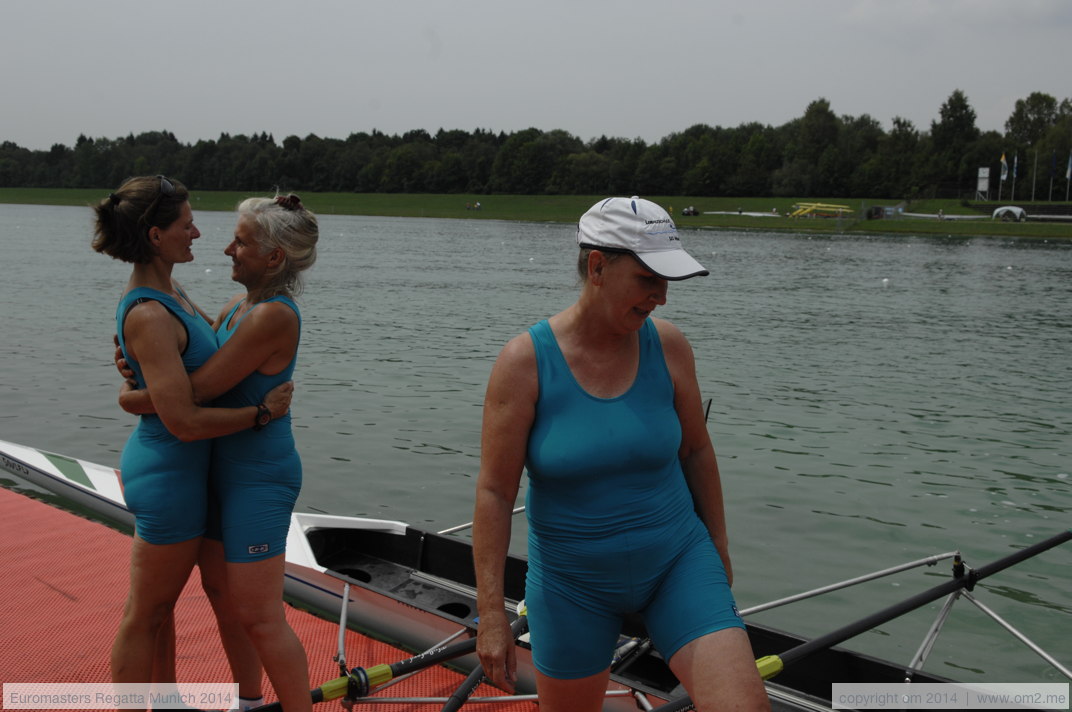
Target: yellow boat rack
x: 821, y: 210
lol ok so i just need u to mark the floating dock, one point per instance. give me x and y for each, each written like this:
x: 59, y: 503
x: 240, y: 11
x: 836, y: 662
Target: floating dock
x: 67, y: 583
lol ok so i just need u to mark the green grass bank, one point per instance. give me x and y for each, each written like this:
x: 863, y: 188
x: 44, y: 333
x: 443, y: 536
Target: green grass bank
x: 715, y: 213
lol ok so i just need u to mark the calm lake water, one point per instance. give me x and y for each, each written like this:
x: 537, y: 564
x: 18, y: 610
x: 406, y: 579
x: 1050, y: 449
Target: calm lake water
x: 875, y: 399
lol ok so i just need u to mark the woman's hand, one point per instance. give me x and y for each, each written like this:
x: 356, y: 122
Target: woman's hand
x: 495, y: 646
x: 121, y: 364
x: 278, y: 399
x: 134, y: 400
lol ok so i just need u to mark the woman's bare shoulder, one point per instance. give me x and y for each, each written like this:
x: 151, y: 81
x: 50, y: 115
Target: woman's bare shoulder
x: 145, y: 313
x: 670, y: 336
x: 517, y: 359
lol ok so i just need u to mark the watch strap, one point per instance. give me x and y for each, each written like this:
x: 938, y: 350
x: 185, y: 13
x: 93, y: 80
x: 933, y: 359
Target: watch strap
x: 263, y: 417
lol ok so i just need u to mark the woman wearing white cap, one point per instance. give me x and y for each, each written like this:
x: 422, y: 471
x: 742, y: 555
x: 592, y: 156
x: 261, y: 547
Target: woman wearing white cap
x: 601, y: 404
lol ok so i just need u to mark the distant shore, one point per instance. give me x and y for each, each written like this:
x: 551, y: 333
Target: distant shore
x: 760, y: 214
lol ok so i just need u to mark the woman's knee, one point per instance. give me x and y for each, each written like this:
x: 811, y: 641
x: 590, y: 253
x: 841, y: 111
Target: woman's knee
x: 260, y: 621
x: 151, y: 616
x: 579, y: 695
x: 719, y: 670
x: 216, y: 590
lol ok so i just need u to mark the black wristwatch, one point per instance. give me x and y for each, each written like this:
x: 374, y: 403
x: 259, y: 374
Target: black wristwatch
x: 264, y: 416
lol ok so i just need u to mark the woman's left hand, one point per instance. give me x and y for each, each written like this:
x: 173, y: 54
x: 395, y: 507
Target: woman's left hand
x: 278, y: 399
x: 121, y: 364
x: 134, y: 400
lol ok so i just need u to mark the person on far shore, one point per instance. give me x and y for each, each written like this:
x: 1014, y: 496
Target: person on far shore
x: 601, y: 404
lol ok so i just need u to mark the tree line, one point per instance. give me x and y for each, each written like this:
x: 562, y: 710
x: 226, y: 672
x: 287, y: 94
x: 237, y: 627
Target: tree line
x: 818, y: 154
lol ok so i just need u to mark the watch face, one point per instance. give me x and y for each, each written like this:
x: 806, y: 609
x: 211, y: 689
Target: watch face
x: 264, y: 418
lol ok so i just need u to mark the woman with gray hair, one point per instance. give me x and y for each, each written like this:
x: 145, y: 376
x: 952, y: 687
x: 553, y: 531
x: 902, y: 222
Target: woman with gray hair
x: 255, y: 476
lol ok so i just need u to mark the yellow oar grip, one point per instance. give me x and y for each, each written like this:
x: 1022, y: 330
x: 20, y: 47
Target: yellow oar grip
x: 379, y: 674
x: 769, y: 666
x: 334, y: 689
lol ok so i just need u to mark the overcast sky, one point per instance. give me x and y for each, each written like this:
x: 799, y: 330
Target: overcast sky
x: 621, y: 68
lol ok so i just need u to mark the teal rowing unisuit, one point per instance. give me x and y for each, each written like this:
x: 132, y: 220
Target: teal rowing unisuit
x: 256, y: 474
x: 165, y: 481
x: 612, y: 529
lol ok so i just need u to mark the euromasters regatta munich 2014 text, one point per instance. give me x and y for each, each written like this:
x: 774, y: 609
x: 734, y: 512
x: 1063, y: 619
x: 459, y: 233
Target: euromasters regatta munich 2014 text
x: 71, y: 695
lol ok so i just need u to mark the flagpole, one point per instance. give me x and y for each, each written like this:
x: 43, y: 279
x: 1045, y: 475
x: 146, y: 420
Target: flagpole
x: 1004, y: 173
x: 1068, y: 174
x: 1034, y: 177
x: 1053, y: 169
x: 1012, y: 191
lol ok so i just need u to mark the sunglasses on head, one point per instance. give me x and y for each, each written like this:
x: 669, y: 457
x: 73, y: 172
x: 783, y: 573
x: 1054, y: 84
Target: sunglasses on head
x: 166, y: 189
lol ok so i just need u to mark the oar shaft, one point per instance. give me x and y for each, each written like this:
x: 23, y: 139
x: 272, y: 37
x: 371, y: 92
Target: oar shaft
x: 921, y: 599
x: 459, y: 696
x: 419, y: 662
x: 868, y: 622
x: 1023, y: 554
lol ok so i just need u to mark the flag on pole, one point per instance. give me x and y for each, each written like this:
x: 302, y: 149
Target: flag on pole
x: 1004, y: 168
x: 1068, y: 172
x: 1015, y: 163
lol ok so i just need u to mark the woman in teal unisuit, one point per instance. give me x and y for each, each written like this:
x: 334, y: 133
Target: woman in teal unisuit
x: 600, y: 403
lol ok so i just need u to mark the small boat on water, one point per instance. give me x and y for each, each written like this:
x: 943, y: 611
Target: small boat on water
x: 416, y: 589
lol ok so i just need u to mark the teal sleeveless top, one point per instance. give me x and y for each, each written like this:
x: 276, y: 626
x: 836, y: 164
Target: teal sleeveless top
x: 165, y: 481
x: 256, y: 474
x: 200, y: 340
x: 599, y: 467
x: 251, y: 389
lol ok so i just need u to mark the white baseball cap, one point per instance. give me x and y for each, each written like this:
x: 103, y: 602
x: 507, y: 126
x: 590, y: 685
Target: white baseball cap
x: 644, y: 230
